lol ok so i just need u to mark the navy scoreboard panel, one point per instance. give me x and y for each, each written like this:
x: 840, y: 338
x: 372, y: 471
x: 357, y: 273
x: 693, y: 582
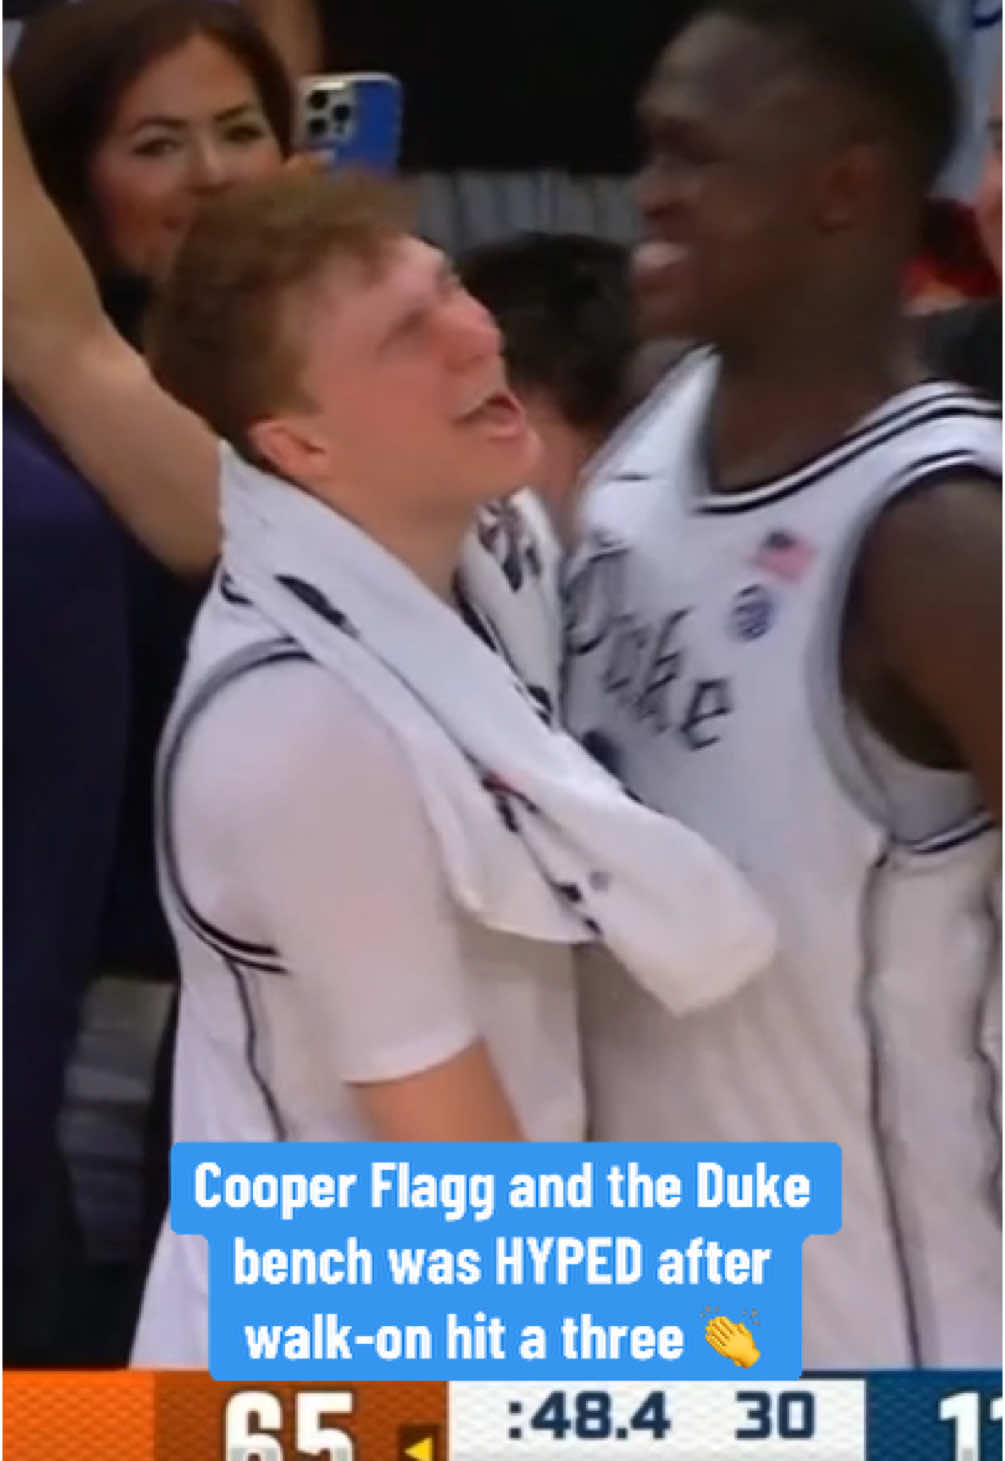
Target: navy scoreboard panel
x: 178, y: 1416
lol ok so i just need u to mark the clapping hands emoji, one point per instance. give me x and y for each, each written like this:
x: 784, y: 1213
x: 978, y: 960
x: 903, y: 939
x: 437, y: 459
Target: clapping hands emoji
x: 733, y: 1341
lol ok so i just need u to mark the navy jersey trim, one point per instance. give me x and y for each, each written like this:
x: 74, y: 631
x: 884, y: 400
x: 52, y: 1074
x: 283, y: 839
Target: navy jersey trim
x: 992, y: 1077
x: 477, y: 621
x: 251, y: 1053
x: 862, y: 779
x: 263, y: 957
x: 897, y: 423
x: 968, y: 831
x: 881, y: 1144
x: 609, y: 453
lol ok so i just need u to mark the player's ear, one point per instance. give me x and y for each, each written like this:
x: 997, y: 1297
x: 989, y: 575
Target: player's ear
x: 292, y: 446
x: 848, y: 183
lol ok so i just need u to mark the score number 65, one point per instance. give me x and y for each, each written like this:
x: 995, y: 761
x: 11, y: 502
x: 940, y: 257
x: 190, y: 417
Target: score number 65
x: 252, y: 1414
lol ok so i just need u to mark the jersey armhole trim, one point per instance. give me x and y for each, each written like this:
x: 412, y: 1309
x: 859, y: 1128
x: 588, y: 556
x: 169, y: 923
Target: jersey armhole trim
x: 280, y: 1132
x: 831, y: 713
x: 244, y: 952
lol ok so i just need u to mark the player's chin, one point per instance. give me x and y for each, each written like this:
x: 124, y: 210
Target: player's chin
x: 665, y: 313
x: 509, y: 463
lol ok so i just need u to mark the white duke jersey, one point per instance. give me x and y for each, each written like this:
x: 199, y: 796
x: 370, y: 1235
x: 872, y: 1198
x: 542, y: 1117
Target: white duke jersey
x: 703, y: 666
x: 320, y: 946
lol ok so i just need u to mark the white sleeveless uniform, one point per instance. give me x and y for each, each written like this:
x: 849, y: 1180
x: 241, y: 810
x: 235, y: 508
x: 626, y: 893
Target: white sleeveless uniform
x: 319, y: 943
x: 702, y: 664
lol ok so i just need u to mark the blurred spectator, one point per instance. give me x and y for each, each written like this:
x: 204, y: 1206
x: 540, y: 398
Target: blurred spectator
x: 971, y: 35
x: 564, y: 305
x: 135, y: 111
x: 952, y: 265
x: 966, y: 343
x: 293, y: 26
x: 988, y: 207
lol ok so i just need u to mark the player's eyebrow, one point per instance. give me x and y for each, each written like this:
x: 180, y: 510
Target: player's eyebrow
x: 412, y: 314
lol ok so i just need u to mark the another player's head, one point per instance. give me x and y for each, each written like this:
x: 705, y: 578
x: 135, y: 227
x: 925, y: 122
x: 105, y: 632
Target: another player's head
x: 791, y: 144
x: 324, y: 341
x: 564, y: 305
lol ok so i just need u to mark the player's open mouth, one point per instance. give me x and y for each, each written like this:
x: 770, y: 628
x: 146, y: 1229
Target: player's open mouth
x: 500, y: 412
x: 655, y: 261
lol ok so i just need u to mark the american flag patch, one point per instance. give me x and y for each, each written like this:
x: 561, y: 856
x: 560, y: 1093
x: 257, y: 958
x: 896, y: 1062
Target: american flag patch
x: 784, y: 555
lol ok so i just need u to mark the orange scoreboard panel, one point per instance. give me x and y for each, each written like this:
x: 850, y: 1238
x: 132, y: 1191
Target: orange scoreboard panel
x: 136, y: 1416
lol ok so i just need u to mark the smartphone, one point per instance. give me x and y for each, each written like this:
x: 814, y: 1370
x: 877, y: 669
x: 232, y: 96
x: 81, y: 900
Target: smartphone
x: 354, y: 118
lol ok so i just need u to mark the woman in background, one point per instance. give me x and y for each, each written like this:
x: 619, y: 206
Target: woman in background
x: 136, y: 112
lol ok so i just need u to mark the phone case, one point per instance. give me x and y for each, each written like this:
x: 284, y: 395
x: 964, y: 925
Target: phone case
x: 355, y: 118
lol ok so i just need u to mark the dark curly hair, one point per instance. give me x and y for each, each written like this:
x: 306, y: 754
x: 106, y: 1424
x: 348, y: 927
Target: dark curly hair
x: 564, y: 305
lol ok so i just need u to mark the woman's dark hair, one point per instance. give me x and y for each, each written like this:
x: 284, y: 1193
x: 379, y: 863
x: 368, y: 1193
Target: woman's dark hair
x: 74, y: 63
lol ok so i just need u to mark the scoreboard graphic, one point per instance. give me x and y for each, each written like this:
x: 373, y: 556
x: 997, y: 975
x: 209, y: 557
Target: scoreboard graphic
x: 137, y: 1416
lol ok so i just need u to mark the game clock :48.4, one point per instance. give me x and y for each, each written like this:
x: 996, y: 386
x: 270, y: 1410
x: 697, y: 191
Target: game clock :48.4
x: 589, y: 1416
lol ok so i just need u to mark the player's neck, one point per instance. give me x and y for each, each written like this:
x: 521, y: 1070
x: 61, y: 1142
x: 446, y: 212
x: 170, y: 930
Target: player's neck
x: 429, y: 545
x: 432, y: 556
x: 791, y: 395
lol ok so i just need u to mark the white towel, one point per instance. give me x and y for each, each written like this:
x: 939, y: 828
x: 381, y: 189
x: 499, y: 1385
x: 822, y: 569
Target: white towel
x: 537, y: 839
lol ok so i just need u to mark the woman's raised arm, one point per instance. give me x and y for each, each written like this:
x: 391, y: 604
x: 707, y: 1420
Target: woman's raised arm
x: 153, y: 461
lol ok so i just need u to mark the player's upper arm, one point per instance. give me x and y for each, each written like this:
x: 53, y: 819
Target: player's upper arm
x: 460, y: 1100
x: 155, y: 462
x: 294, y: 28
x: 930, y: 586
x: 300, y: 794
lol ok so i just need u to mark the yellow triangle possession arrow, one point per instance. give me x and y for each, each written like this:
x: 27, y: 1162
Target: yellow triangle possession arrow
x: 424, y: 1450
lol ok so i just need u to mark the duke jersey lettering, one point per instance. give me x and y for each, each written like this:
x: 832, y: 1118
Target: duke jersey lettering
x: 702, y: 664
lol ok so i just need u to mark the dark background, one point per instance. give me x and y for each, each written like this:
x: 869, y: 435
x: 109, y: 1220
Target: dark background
x: 518, y: 84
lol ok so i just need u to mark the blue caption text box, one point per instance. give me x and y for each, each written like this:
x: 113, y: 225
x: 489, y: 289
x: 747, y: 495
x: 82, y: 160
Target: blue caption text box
x: 494, y: 1261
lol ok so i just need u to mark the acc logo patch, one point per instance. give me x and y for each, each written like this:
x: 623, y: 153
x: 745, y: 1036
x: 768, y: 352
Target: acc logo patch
x: 752, y: 612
